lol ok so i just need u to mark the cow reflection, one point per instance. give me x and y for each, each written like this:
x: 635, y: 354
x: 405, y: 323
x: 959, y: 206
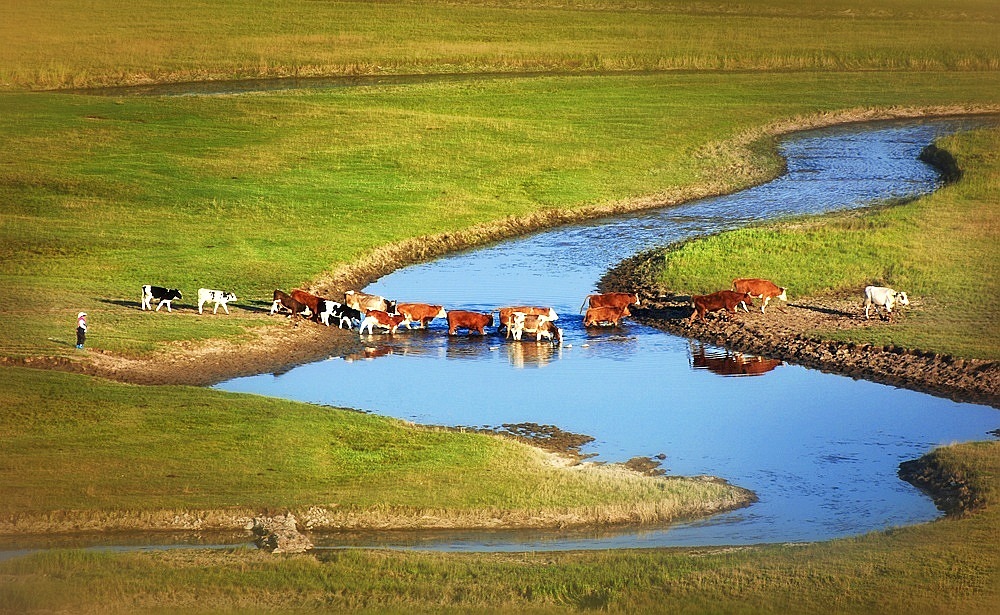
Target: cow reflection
x: 726, y: 363
x: 369, y: 352
x: 532, y: 354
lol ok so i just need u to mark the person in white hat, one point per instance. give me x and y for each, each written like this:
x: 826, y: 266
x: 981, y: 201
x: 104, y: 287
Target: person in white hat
x: 81, y: 329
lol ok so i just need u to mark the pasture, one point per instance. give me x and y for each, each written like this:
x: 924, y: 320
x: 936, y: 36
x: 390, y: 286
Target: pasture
x: 566, y: 106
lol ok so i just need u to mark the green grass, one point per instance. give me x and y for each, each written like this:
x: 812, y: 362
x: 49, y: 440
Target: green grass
x: 73, y: 443
x: 948, y: 566
x: 944, y: 250
x: 64, y: 43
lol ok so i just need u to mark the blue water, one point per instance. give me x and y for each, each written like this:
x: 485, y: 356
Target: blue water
x: 820, y: 450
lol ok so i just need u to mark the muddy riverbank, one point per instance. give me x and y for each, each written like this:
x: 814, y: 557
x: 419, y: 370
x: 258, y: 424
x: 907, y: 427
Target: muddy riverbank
x: 789, y: 332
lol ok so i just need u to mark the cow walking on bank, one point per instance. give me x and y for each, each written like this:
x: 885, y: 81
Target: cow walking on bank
x: 726, y: 300
x: 885, y: 298
x: 761, y: 289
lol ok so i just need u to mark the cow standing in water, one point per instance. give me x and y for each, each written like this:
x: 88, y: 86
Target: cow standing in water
x: 616, y: 300
x: 473, y: 321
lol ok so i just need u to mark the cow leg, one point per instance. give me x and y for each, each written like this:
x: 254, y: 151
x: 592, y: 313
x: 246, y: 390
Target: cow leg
x: 766, y: 299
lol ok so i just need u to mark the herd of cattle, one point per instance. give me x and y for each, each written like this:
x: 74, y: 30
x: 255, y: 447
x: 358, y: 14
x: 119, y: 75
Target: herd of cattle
x: 372, y: 312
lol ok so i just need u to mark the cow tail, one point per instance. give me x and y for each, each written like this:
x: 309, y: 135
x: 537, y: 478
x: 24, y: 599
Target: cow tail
x: 585, y: 300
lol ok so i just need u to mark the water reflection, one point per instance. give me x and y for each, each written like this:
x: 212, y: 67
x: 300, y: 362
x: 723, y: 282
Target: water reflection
x: 728, y: 363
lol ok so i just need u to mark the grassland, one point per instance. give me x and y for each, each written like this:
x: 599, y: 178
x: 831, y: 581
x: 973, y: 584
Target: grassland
x: 82, y: 453
x: 251, y: 192
x: 947, y: 566
x: 63, y: 43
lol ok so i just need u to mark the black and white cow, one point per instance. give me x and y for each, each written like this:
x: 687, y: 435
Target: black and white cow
x: 343, y: 314
x: 163, y: 295
x: 218, y: 297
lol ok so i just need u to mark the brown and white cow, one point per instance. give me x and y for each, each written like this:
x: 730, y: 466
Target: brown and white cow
x: 505, y: 313
x: 422, y: 313
x: 615, y: 300
x: 473, y: 321
x: 727, y: 300
x: 539, y: 326
x: 601, y: 316
x: 309, y: 300
x: 283, y: 300
x: 382, y: 320
x: 761, y: 289
x: 364, y: 302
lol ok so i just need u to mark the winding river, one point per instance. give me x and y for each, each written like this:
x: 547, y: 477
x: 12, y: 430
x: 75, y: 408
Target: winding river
x: 820, y: 450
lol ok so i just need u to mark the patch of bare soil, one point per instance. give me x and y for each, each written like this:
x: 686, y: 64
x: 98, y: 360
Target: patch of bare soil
x: 788, y: 332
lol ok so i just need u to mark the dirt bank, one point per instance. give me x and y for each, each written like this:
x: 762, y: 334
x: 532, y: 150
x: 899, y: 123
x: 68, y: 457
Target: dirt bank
x: 788, y: 332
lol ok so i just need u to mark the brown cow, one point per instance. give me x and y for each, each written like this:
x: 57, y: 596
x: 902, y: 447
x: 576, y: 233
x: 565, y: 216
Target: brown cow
x: 420, y: 313
x: 505, y: 313
x: 599, y: 316
x: 722, y: 300
x: 283, y: 300
x: 615, y: 300
x: 310, y: 300
x: 761, y: 289
x: 383, y: 320
x: 364, y: 302
x: 473, y: 321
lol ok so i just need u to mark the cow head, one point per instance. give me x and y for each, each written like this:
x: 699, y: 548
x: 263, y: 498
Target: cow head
x: 390, y: 307
x: 783, y: 296
x: 901, y: 299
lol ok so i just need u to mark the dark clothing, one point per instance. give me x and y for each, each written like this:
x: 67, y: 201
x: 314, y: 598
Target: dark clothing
x: 81, y: 336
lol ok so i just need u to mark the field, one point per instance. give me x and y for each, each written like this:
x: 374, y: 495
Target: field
x: 549, y: 109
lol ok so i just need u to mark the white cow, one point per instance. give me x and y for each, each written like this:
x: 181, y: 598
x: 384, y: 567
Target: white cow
x: 880, y: 296
x: 218, y: 297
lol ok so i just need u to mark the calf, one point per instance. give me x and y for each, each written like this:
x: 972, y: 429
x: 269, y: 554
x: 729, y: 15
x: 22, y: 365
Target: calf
x: 219, y: 297
x: 381, y: 319
x: 615, y: 300
x: 761, y: 289
x: 285, y: 301
x: 364, y: 302
x: 599, y: 316
x: 338, y: 311
x: 161, y: 294
x: 473, y: 321
x: 887, y: 298
x: 420, y: 313
x: 727, y: 300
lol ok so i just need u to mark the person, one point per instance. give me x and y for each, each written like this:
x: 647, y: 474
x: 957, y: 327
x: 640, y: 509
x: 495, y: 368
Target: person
x: 81, y: 329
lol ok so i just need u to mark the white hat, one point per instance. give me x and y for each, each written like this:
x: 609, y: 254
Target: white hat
x: 81, y: 314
